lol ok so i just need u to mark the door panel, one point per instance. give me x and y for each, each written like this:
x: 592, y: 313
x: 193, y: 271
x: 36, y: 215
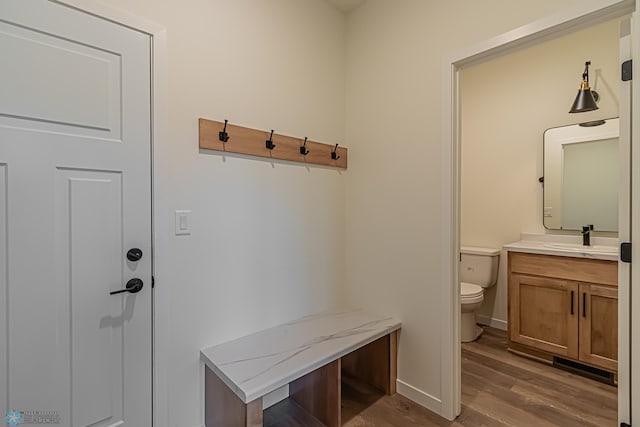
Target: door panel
x: 86, y: 76
x: 91, y: 211
x: 75, y: 145
x: 4, y: 302
x: 540, y: 314
x: 599, y: 326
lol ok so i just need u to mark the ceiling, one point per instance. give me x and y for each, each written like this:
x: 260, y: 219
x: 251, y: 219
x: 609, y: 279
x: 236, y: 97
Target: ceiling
x: 346, y: 5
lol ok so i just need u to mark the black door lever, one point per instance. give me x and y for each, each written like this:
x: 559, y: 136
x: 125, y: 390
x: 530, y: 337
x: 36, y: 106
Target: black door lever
x: 133, y: 286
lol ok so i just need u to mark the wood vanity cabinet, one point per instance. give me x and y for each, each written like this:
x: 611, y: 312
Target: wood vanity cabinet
x: 564, y: 306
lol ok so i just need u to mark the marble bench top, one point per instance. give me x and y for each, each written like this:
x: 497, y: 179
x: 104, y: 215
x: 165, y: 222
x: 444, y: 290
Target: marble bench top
x: 257, y: 364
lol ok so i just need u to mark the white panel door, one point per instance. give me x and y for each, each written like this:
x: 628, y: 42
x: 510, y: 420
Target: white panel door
x: 75, y: 196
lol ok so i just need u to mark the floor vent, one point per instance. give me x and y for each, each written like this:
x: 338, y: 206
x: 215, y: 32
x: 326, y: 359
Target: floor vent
x: 584, y: 370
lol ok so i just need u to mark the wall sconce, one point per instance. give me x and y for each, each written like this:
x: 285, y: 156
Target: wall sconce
x: 586, y: 98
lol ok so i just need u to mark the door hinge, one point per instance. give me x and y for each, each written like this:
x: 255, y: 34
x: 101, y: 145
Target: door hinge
x: 625, y: 252
x: 627, y: 70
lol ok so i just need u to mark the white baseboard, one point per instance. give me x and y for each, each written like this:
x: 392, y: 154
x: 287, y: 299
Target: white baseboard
x: 420, y: 397
x: 493, y: 322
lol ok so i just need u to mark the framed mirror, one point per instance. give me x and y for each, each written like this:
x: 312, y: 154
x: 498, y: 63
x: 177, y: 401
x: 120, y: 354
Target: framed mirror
x: 581, y: 176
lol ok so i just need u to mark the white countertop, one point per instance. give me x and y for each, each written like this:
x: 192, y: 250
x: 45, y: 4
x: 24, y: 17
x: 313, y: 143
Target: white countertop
x: 551, y: 244
x: 257, y: 364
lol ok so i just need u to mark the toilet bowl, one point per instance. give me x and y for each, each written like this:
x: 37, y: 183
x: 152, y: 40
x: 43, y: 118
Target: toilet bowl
x: 478, y: 271
x: 471, y: 297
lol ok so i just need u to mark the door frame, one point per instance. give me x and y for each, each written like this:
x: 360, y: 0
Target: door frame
x: 159, y: 135
x: 634, y: 335
x: 587, y: 14
x: 625, y: 211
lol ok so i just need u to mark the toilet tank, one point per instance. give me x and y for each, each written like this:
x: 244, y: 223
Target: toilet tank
x: 479, y: 265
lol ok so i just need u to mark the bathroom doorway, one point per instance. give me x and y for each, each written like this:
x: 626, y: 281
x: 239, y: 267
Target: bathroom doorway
x: 503, y: 177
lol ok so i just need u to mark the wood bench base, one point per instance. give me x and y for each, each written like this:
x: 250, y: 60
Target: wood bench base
x: 318, y: 393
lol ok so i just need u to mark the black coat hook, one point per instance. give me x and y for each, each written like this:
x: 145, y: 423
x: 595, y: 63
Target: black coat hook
x: 269, y: 143
x: 334, y: 153
x: 223, y: 135
x: 303, y: 149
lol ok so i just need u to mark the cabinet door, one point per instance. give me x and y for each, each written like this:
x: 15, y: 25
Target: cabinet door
x: 599, y: 326
x: 543, y: 314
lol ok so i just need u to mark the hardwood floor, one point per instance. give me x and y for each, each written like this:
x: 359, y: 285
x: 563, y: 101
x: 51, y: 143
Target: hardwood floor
x: 498, y: 389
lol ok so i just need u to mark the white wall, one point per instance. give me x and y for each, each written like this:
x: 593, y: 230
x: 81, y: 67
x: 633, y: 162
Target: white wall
x: 267, y: 241
x: 395, y: 53
x: 502, y: 143
x: 275, y: 241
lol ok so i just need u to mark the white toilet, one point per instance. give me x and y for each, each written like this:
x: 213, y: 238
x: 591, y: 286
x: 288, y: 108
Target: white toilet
x: 478, y: 270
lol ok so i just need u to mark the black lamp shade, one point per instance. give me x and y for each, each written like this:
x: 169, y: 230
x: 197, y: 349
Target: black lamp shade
x: 585, y: 101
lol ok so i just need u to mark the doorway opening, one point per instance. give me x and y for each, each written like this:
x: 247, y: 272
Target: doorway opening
x: 511, y: 43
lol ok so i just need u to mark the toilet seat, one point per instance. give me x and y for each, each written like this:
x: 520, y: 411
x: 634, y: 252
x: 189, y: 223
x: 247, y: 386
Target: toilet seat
x: 470, y: 293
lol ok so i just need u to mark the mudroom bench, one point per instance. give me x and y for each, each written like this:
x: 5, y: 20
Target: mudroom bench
x: 310, y: 355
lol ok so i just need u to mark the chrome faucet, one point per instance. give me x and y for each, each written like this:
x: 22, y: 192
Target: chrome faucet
x: 586, y: 234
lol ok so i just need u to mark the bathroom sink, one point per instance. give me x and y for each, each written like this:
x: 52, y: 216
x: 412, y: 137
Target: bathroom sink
x: 574, y: 247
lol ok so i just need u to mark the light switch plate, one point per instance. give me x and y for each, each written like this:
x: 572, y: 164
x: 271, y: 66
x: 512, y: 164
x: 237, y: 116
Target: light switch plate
x: 183, y: 223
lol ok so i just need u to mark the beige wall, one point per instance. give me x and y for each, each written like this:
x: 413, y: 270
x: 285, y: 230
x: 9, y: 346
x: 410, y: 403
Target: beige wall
x: 507, y: 104
x: 395, y: 54
x: 272, y: 242
x: 267, y: 242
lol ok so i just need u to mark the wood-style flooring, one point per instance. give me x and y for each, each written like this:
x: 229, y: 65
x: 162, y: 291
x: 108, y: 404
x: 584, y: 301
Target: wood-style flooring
x: 498, y: 389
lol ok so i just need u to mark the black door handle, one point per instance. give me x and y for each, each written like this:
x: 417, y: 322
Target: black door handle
x: 584, y: 304
x: 133, y: 286
x: 134, y: 254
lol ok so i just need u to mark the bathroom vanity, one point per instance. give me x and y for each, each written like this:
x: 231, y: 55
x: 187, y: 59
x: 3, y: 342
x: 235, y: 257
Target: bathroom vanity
x: 563, y: 303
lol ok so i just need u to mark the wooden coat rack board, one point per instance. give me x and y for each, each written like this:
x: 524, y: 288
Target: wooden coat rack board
x: 254, y: 143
